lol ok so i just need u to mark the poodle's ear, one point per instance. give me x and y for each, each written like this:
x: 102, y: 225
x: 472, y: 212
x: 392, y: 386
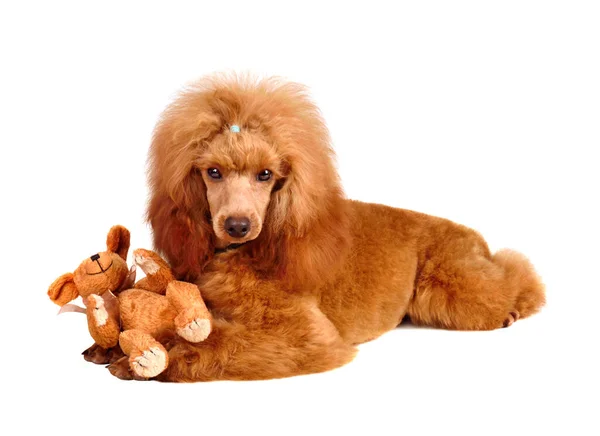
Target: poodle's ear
x: 117, y: 241
x: 178, y: 210
x: 63, y: 290
x: 182, y: 231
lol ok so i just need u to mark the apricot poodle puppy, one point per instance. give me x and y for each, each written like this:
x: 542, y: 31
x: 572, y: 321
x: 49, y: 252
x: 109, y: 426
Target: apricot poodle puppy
x: 246, y: 202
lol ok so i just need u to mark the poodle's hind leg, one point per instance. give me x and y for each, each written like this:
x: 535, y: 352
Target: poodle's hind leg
x: 145, y: 356
x: 476, y: 292
x: 520, y: 274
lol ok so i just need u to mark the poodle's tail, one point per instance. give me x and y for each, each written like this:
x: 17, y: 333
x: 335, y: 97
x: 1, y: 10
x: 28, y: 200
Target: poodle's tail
x: 521, y: 276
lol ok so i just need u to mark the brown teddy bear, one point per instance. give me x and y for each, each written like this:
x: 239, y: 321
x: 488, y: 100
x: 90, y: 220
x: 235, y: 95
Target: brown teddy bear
x: 136, y: 315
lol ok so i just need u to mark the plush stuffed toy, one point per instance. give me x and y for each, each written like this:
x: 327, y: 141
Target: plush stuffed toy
x: 139, y: 312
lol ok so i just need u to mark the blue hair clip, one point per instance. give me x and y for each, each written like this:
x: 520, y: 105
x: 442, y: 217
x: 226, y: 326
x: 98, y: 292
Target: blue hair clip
x: 235, y: 128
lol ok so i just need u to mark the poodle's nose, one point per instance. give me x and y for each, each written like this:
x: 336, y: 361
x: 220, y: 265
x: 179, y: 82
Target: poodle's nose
x: 237, y: 227
x: 95, y: 257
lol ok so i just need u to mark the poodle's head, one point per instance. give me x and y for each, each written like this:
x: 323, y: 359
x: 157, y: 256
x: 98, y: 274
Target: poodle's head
x: 236, y: 160
x: 241, y: 170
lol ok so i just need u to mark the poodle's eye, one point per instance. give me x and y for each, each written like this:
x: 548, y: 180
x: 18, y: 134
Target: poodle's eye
x: 214, y: 173
x: 264, y: 175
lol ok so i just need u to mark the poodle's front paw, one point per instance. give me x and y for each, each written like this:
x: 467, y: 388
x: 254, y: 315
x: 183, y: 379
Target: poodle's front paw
x: 511, y: 319
x: 144, y: 259
x: 149, y: 363
x: 102, y: 356
x: 122, y: 370
x: 193, y: 325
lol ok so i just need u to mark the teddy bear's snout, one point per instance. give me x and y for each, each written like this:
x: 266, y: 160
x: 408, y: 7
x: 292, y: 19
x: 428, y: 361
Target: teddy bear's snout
x: 98, y: 264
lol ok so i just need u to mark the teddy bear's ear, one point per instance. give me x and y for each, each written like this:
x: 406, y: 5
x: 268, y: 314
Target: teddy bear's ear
x: 117, y: 241
x: 63, y: 290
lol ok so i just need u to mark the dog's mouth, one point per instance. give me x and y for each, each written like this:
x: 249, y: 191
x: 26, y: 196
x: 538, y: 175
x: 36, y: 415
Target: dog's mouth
x: 224, y: 241
x: 229, y: 247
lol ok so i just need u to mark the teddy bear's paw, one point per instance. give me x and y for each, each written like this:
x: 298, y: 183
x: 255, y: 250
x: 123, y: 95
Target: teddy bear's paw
x: 511, y: 319
x: 196, y: 331
x: 95, y: 303
x: 193, y: 325
x: 149, y: 363
x: 143, y: 259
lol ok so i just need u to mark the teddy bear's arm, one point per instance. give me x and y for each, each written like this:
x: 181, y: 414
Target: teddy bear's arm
x: 103, y: 319
x: 158, y: 273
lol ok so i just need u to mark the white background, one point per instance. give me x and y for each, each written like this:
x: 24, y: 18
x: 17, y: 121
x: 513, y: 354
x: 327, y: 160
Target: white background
x: 487, y: 113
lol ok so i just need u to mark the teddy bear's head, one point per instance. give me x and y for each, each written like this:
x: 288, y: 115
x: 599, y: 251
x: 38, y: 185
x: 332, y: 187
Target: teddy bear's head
x: 101, y: 272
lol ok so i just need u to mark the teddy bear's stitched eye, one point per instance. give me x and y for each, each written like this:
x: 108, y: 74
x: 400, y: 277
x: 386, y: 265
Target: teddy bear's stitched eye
x: 264, y: 175
x: 214, y: 173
